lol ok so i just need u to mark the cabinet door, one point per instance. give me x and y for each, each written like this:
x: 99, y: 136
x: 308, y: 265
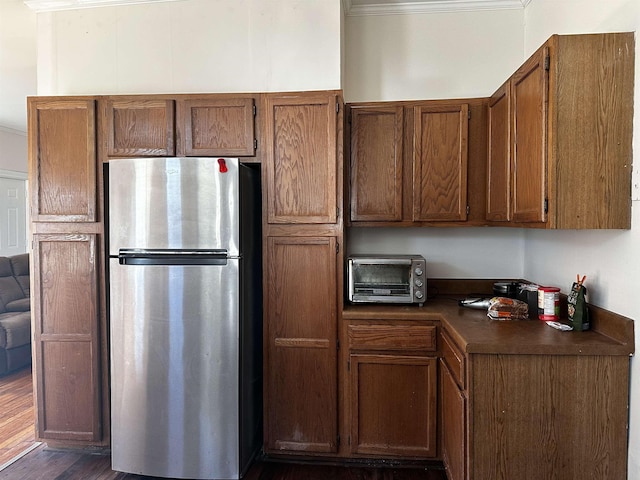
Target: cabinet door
x: 454, y: 445
x: 393, y: 405
x: 301, y: 158
x: 498, y: 159
x: 62, y: 172
x: 138, y: 128
x: 217, y: 126
x: 376, y: 163
x: 529, y: 93
x: 66, y: 344
x: 301, y: 330
x: 440, y: 163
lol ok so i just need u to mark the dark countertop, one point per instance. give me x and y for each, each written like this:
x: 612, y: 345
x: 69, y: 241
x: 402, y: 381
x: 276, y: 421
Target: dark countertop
x: 474, y: 332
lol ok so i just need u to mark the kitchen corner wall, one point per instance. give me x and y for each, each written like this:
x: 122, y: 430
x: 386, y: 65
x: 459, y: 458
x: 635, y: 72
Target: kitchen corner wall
x: 609, y: 259
x: 435, y: 56
x: 398, y: 57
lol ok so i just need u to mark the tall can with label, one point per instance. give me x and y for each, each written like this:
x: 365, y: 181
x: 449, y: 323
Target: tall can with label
x: 549, y: 303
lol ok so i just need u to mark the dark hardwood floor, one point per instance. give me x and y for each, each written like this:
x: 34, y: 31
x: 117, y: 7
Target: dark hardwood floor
x: 42, y: 463
x: 45, y: 464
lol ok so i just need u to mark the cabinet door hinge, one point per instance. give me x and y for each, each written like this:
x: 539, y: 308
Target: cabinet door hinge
x: 255, y: 110
x: 255, y: 143
x: 337, y: 248
x: 546, y: 205
x: 468, y: 114
x: 468, y: 209
x: 547, y: 63
x: 337, y: 107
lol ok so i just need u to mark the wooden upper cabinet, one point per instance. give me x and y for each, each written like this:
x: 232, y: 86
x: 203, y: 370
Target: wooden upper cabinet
x: 376, y: 169
x: 62, y: 159
x: 571, y: 134
x: 137, y: 127
x: 409, y: 161
x: 301, y: 158
x: 529, y: 96
x: 216, y: 126
x: 440, y: 162
x: 498, y: 156
x: 591, y: 82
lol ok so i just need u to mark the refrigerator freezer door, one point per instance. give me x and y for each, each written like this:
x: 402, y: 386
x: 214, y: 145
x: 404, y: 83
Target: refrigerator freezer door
x: 183, y: 203
x: 174, y: 370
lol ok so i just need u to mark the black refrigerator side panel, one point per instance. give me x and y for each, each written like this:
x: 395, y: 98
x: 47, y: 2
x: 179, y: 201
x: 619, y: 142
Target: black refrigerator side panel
x: 250, y: 314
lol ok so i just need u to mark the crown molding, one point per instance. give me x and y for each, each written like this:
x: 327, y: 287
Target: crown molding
x: 14, y: 174
x: 384, y: 8
x: 12, y: 130
x: 430, y: 6
x: 56, y: 5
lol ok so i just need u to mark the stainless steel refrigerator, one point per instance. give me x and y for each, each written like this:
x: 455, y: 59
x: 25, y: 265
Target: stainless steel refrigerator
x: 185, y: 316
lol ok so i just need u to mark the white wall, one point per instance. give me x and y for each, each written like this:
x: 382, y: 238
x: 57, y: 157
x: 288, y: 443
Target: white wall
x: 450, y: 252
x: 431, y: 56
x: 609, y: 259
x: 13, y: 150
x: 17, y: 62
x: 191, y: 46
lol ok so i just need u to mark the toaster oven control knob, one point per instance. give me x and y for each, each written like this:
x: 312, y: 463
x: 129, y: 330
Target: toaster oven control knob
x: 419, y: 295
x: 418, y: 271
x: 418, y: 283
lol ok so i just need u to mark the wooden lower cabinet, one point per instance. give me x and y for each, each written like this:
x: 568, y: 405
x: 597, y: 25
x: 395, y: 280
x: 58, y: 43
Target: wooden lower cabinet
x: 454, y: 419
x: 393, y: 405
x: 301, y: 352
x: 453, y: 410
x: 66, y: 337
x: 391, y: 389
x: 534, y: 416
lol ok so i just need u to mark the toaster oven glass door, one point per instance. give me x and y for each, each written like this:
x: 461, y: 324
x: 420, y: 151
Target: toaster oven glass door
x: 381, y: 280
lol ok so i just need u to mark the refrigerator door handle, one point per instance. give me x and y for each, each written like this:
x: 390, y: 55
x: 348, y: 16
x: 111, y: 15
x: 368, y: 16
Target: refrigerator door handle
x: 139, y: 256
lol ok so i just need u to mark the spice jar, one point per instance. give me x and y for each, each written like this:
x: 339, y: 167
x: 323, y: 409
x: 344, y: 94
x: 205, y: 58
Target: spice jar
x: 549, y: 303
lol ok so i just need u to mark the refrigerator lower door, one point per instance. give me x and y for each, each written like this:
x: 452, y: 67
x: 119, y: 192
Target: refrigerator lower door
x: 175, y: 370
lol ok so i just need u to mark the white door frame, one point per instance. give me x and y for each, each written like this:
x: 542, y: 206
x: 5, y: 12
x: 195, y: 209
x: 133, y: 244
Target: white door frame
x: 15, y: 175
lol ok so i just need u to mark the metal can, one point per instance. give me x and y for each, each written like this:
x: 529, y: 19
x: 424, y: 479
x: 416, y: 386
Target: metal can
x: 549, y: 303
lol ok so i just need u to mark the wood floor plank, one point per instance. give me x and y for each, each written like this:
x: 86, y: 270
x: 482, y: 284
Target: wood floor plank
x: 17, y: 434
x: 17, y: 416
x: 42, y: 463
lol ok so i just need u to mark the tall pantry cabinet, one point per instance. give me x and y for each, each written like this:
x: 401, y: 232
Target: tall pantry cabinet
x: 303, y: 259
x: 68, y: 305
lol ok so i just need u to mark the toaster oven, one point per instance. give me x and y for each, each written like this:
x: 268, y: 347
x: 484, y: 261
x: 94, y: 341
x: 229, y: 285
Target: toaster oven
x: 386, y: 279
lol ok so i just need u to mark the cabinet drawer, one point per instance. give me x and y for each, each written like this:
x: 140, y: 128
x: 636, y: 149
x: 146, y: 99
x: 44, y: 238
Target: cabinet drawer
x: 393, y: 337
x: 454, y: 359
